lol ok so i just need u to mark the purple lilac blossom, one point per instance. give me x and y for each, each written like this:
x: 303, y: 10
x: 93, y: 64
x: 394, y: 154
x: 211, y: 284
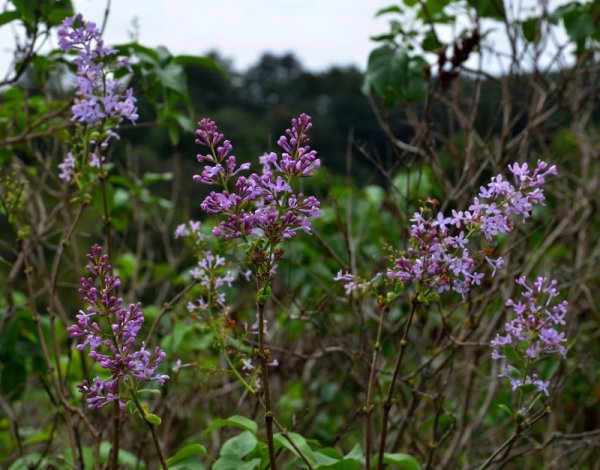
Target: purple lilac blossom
x: 67, y: 167
x: 439, y: 257
x: 109, y: 330
x: 100, y: 102
x: 265, y: 204
x: 98, y: 96
x: 533, y: 333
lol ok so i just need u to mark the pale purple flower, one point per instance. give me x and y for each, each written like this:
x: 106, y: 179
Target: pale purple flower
x: 98, y: 97
x: 533, y: 333
x: 439, y: 258
x: 67, y: 167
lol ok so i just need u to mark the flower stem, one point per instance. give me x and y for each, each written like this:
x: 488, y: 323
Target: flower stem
x: 368, y: 405
x: 152, y: 432
x: 262, y: 354
x: 387, y: 404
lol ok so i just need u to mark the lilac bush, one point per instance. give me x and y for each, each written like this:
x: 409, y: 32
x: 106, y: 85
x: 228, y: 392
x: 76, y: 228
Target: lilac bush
x: 260, y: 211
x: 109, y: 331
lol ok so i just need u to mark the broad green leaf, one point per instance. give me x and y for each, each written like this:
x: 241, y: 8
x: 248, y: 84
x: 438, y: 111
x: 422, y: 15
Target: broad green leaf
x: 531, y: 29
x: 489, y: 8
x: 393, y: 75
x: 198, y: 61
x: 172, y: 77
x: 12, y: 380
x: 385, y: 69
x: 356, y: 453
x: 239, y: 446
x: 188, y: 451
x: 8, y: 16
x: 126, y: 458
x: 233, y: 421
x: 346, y: 464
x: 188, y: 464
x: 57, y: 15
x: 231, y: 462
x: 299, y: 442
x: 401, y: 461
x: 145, y: 54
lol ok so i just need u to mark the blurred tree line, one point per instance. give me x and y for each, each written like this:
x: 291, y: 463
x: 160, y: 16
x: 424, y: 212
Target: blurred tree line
x: 249, y: 105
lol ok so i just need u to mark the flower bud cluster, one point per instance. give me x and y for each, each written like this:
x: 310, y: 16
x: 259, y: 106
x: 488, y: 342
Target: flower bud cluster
x: 109, y: 330
x: 533, y: 334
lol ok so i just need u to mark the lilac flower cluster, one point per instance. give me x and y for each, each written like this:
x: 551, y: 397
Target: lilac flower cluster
x: 212, y: 271
x: 439, y: 258
x: 100, y: 101
x: 98, y: 97
x: 533, y: 333
x: 262, y: 205
x: 354, y: 283
x: 110, y: 330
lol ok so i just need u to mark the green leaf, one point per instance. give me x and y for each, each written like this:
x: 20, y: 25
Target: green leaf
x: 299, y: 442
x: 25, y: 462
x: 12, y: 380
x: 435, y: 7
x: 385, y: 68
x: 401, y: 461
x: 126, y: 458
x: 393, y: 75
x: 387, y: 10
x: 233, y: 421
x: 8, y: 16
x: 239, y: 446
x: 531, y: 29
x: 231, y: 462
x: 145, y: 54
x: 346, y: 464
x: 198, y: 61
x: 148, y: 391
x: 152, y: 178
x: 430, y: 42
x: 172, y: 77
x: 153, y: 419
x: 489, y: 8
x: 356, y: 453
x: 57, y: 15
x: 188, y: 451
x: 579, y: 24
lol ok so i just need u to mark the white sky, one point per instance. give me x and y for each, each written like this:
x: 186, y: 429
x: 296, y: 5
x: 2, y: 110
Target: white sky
x: 320, y: 33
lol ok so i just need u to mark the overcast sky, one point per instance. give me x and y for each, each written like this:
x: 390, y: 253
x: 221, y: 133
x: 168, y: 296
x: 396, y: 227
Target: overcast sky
x: 320, y: 33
